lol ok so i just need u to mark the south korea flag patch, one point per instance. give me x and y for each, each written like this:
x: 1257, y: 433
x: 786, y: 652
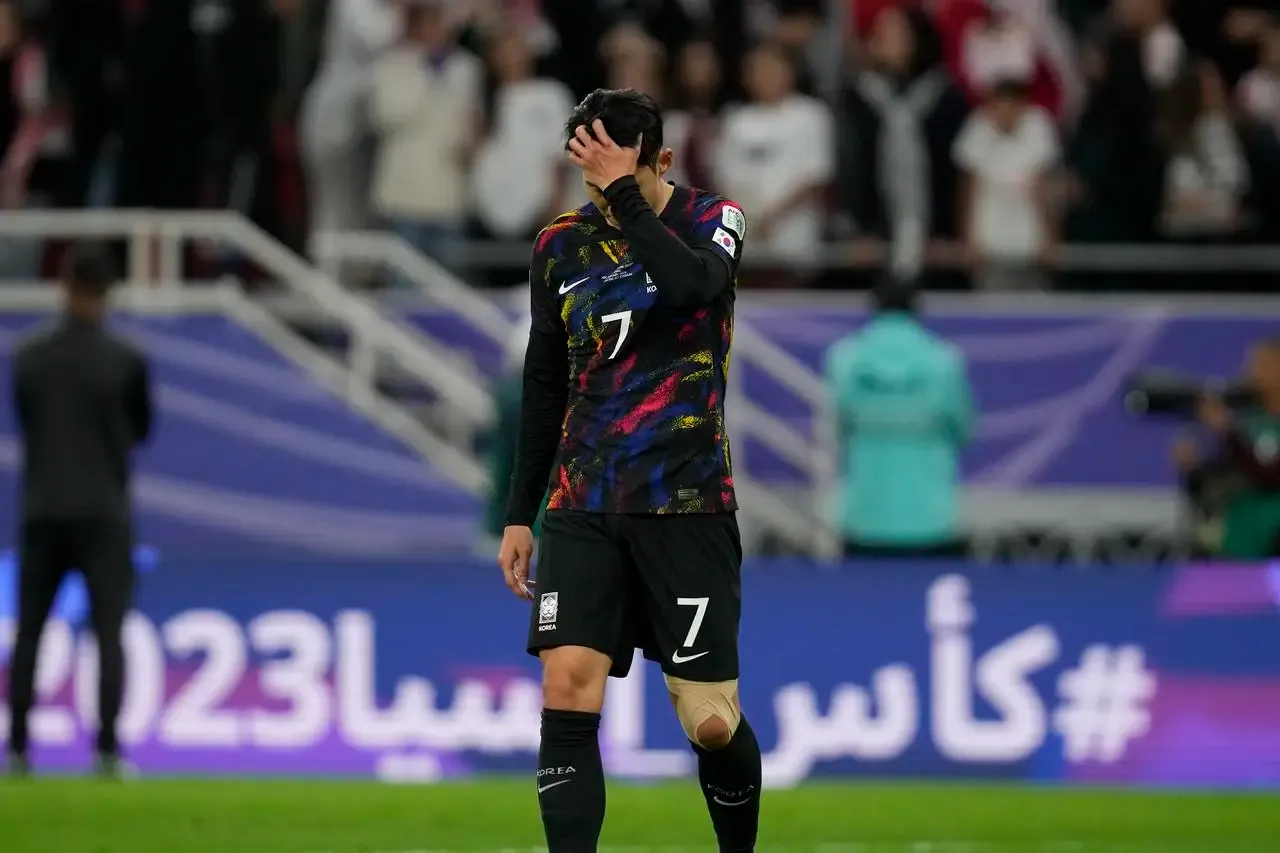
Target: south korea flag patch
x: 726, y: 241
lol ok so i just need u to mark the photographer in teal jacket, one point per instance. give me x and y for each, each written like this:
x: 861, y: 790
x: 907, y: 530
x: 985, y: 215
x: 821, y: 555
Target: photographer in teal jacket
x: 903, y: 410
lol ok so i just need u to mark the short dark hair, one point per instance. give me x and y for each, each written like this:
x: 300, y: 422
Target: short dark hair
x: 628, y: 115
x: 90, y: 270
x: 892, y: 293
x: 776, y: 49
x: 1010, y: 88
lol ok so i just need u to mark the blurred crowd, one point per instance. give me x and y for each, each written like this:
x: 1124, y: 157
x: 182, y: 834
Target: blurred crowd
x: 979, y: 133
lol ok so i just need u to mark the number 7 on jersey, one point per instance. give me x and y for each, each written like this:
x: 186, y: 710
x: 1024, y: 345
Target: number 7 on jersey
x: 623, y: 318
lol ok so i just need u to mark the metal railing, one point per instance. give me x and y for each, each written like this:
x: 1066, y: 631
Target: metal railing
x: 871, y: 255
x: 435, y: 283
x: 156, y: 241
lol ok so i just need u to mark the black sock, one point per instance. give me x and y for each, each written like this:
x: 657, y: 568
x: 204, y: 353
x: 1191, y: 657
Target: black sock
x: 571, y: 781
x: 730, y: 780
x: 110, y: 690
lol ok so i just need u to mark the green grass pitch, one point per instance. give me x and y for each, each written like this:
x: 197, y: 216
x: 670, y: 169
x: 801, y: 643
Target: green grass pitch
x: 170, y: 816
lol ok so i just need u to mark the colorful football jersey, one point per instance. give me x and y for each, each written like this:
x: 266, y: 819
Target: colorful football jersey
x: 644, y: 427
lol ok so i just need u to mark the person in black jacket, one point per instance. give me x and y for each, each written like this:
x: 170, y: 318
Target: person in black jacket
x: 83, y: 403
x: 901, y: 116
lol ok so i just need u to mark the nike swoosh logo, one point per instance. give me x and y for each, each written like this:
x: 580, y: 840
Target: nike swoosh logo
x: 676, y: 658
x: 565, y: 288
x: 553, y: 784
x: 732, y: 805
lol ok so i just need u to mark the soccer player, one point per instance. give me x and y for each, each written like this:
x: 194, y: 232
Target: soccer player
x: 623, y: 414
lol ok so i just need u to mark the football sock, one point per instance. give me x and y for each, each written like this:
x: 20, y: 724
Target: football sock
x: 571, y: 781
x: 730, y: 780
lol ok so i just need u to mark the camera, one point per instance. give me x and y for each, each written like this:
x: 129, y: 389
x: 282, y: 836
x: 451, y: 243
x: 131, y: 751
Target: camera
x: 1170, y: 394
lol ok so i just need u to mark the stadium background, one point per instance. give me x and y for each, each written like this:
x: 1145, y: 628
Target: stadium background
x: 319, y: 600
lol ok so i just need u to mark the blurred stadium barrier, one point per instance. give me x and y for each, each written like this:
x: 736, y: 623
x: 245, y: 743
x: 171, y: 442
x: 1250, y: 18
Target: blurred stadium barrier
x: 1059, y: 472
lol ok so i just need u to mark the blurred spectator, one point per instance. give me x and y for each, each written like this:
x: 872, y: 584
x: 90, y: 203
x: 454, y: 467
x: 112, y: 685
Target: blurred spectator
x: 577, y: 28
x: 426, y: 98
x: 1164, y: 53
x: 33, y: 136
x: 634, y: 60
x: 1241, y: 484
x: 299, y: 25
x: 996, y: 49
x: 279, y: 205
x: 796, y: 26
x: 1207, y: 174
x: 1229, y: 34
x: 1244, y: 22
x: 86, y: 44
x: 239, y: 43
x: 1007, y: 151
x: 162, y: 115
x: 1259, y: 90
x: 902, y: 117
x: 991, y: 42
x: 668, y: 21
x: 521, y: 177
x: 866, y: 13
x: 480, y: 20
x: 775, y: 157
x: 691, y: 123
x: 1119, y: 160
x: 198, y: 78
x: 1116, y: 161
x: 671, y: 23
x: 191, y: 103
x: 903, y: 410
x: 336, y: 135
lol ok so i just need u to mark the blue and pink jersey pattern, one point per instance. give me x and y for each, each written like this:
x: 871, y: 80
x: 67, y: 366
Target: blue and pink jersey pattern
x: 644, y: 428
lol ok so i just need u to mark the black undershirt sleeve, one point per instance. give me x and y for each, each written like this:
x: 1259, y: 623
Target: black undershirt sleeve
x: 21, y: 393
x: 684, y: 275
x: 542, y: 407
x: 140, y: 403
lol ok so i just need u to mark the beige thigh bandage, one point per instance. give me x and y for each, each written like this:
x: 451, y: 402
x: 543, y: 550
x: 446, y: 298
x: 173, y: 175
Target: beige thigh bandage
x: 698, y: 701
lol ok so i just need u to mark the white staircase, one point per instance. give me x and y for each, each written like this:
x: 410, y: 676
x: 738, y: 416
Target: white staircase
x: 157, y: 241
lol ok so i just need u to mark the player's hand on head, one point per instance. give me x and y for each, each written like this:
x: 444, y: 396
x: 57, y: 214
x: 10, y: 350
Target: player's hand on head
x: 515, y: 556
x: 602, y: 160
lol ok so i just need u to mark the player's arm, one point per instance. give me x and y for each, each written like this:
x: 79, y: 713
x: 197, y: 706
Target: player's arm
x: 21, y: 392
x: 683, y: 274
x: 542, y: 402
x: 140, y: 405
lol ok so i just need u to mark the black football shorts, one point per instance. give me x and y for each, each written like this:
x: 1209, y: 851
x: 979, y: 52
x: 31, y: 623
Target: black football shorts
x: 669, y: 585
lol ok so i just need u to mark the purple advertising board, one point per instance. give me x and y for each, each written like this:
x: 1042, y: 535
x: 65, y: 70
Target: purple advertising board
x: 1049, y: 384
x: 1049, y: 387
x: 410, y: 671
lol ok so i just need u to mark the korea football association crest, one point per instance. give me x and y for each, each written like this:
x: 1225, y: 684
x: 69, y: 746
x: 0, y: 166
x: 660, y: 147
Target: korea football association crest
x: 548, y: 610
